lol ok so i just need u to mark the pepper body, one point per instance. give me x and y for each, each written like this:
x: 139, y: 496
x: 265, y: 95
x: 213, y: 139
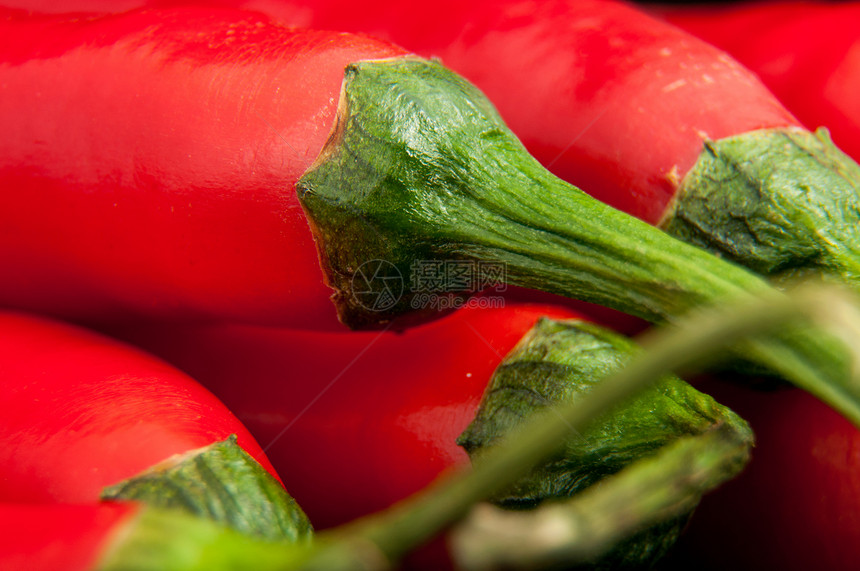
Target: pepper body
x: 807, y: 53
x: 355, y: 421
x: 796, y: 504
x: 59, y: 537
x: 608, y: 98
x: 81, y: 412
x: 148, y: 164
x: 614, y: 102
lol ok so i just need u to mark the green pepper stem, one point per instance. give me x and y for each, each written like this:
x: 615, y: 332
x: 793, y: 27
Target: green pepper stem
x: 782, y: 202
x: 223, y: 483
x: 421, y: 167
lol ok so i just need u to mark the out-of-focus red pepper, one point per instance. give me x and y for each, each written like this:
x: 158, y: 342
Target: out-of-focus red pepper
x: 59, y: 537
x: 807, y: 53
x: 148, y: 163
x: 81, y: 412
x: 381, y: 410
x: 86, y: 419
x: 797, y: 504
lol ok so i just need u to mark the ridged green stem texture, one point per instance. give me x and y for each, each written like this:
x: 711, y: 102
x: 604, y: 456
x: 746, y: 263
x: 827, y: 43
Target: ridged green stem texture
x: 783, y: 202
x: 421, y: 167
x: 222, y: 483
x: 414, y: 521
x: 562, y: 362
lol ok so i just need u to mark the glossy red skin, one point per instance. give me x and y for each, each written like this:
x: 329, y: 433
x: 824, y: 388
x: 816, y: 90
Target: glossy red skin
x: 797, y: 504
x: 80, y: 412
x: 148, y: 164
x: 608, y: 98
x: 354, y: 421
x: 807, y: 53
x: 58, y: 537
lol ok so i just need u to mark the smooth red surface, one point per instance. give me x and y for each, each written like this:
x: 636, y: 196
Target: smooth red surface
x: 797, y: 505
x: 58, y: 537
x: 80, y: 412
x: 608, y: 98
x: 148, y: 164
x: 807, y: 53
x: 354, y: 421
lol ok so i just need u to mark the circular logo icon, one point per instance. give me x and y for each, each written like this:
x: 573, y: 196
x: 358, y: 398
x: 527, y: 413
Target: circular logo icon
x: 377, y: 285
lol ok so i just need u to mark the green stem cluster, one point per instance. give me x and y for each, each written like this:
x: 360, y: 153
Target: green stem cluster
x: 421, y: 167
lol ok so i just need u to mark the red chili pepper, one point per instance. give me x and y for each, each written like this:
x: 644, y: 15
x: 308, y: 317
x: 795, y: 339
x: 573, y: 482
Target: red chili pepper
x: 459, y: 186
x: 153, y: 158
x: 797, y: 504
x: 807, y: 53
x: 86, y: 419
x: 642, y: 116
x: 59, y: 537
x: 381, y: 410
x: 80, y: 412
x: 616, y: 102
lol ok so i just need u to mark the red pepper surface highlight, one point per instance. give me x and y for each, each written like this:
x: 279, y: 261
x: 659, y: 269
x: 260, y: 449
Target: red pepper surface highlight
x: 614, y: 102
x: 807, y: 53
x: 59, y: 537
x: 81, y: 412
x: 608, y: 98
x: 797, y: 504
x: 148, y: 164
x: 353, y: 421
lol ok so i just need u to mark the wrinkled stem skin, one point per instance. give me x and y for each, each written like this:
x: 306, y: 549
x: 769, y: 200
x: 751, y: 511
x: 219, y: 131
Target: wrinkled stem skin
x: 223, y: 483
x: 561, y: 362
x: 148, y: 163
x: 581, y: 530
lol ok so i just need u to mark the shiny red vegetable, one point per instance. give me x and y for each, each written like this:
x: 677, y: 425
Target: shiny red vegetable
x: 148, y: 163
x: 615, y: 102
x: 641, y: 115
x: 807, y: 53
x: 81, y: 412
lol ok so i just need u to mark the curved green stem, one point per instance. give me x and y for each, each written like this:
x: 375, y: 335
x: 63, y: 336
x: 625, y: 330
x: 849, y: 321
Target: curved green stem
x: 421, y: 167
x: 658, y: 488
x: 173, y: 540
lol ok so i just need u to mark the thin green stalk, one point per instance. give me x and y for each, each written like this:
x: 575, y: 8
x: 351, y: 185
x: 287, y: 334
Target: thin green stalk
x: 652, y: 490
x: 401, y: 529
